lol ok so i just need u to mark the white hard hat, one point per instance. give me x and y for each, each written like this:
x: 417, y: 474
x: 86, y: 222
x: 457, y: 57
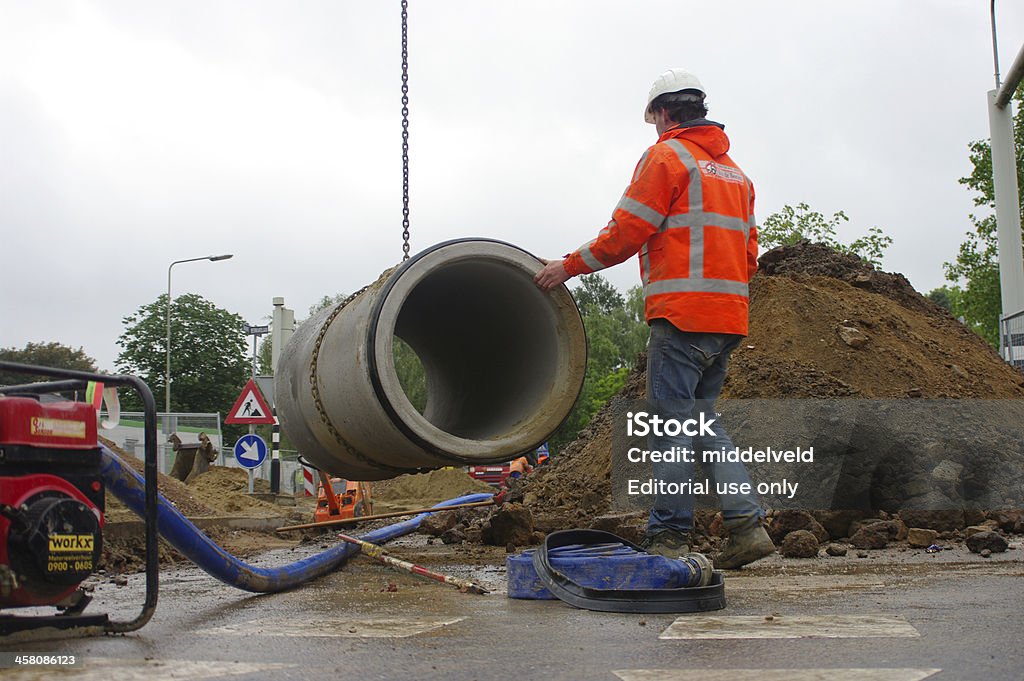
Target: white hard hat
x: 672, y: 80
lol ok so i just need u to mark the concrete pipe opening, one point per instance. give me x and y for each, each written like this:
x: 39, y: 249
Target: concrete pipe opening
x: 503, y: 365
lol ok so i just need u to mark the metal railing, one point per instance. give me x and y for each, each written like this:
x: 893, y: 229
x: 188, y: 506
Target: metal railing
x: 127, y: 434
x: 1011, y: 339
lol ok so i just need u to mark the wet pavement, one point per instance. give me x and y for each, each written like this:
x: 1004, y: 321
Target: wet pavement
x: 893, y: 615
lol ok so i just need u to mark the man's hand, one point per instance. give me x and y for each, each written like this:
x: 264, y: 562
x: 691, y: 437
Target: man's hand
x: 551, y: 276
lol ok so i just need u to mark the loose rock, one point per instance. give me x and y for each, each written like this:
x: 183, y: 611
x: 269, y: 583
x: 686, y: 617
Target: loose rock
x: 837, y: 523
x: 853, y: 336
x: 787, y: 521
x: 629, y: 526
x: 874, y: 536
x: 947, y: 472
x: 993, y: 541
x: 799, y: 544
x: 1009, y: 520
x: 835, y: 550
x: 510, y: 524
x: 455, y: 535
x: 895, y: 528
x: 437, y: 524
x: 941, y: 521
x: 921, y: 538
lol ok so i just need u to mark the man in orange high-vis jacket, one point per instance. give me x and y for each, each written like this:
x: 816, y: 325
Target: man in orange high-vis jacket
x: 517, y: 468
x: 689, y: 214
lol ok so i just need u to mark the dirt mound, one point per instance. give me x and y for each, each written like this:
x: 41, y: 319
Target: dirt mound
x: 819, y: 260
x: 174, y: 490
x: 227, y: 491
x: 815, y: 336
x: 218, y: 491
x: 822, y: 325
x: 424, y: 489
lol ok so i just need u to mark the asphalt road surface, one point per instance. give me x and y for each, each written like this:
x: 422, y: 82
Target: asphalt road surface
x: 895, y: 615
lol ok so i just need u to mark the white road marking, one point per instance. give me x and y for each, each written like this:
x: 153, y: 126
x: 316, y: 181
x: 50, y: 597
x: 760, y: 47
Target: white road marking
x: 789, y: 626
x: 386, y: 627
x: 111, y: 669
x: 774, y: 674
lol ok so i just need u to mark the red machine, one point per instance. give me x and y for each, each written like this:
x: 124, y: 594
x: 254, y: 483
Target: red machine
x: 492, y: 474
x: 497, y: 474
x: 51, y: 501
x: 53, y: 479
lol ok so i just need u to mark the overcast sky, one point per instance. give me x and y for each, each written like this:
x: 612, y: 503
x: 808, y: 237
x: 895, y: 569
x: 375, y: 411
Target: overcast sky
x: 137, y: 133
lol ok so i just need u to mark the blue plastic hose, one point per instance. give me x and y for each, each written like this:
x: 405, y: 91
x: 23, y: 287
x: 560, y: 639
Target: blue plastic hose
x: 597, y: 566
x: 128, y: 486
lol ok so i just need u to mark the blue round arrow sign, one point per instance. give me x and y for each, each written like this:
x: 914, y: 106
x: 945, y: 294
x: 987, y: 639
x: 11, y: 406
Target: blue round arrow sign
x: 250, y: 451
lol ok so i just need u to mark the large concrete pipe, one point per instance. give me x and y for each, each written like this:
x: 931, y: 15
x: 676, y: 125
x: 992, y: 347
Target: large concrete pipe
x: 504, y: 364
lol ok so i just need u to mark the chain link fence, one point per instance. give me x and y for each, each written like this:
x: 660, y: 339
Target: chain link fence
x: 128, y: 434
x: 1011, y: 339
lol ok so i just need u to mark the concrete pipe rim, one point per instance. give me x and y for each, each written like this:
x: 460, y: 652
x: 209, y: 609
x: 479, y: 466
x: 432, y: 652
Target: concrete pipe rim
x: 381, y: 331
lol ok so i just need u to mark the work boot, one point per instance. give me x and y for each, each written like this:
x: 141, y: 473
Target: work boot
x: 668, y: 543
x: 745, y: 545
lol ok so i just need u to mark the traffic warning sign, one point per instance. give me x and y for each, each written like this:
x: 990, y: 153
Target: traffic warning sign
x: 250, y: 451
x: 250, y: 408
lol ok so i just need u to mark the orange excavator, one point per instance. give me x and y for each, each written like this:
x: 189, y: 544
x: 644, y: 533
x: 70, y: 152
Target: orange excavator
x: 338, y: 498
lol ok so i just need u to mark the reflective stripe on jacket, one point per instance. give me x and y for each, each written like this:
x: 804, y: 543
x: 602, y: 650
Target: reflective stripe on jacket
x: 689, y: 213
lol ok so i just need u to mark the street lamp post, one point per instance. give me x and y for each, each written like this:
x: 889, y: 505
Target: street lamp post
x: 167, y: 371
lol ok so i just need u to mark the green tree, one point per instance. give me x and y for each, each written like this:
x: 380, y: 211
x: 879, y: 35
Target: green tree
x: 53, y: 355
x: 791, y: 225
x: 411, y: 375
x: 326, y: 301
x: 604, y: 389
x: 264, y: 356
x: 945, y: 297
x: 595, y: 294
x: 975, y: 271
x: 209, y: 362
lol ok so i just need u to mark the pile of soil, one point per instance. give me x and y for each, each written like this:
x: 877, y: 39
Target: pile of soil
x: 227, y: 491
x: 220, y: 491
x: 805, y: 296
x: 822, y: 325
x: 422, y: 490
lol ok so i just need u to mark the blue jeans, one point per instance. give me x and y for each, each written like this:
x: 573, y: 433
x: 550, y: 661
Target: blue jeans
x: 685, y: 372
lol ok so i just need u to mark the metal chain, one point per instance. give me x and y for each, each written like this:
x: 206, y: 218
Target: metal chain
x: 315, y: 389
x: 322, y: 411
x: 405, y: 130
